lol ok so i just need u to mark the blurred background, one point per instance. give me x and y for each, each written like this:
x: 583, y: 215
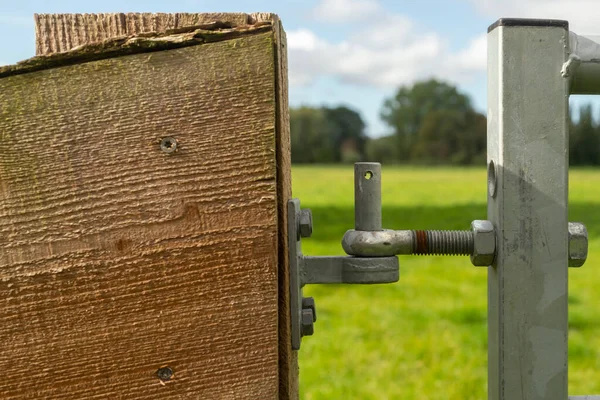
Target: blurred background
x: 403, y: 83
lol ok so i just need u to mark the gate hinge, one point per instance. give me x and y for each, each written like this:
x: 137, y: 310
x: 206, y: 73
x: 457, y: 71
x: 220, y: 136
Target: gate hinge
x: 306, y: 270
x: 373, y: 250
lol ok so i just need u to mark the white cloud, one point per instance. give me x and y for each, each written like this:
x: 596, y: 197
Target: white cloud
x: 303, y: 39
x: 473, y: 58
x: 579, y: 13
x: 386, y: 51
x: 346, y: 10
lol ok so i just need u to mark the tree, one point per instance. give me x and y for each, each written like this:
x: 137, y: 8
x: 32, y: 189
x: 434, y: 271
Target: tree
x: 406, y: 111
x: 451, y: 137
x: 383, y: 149
x: 348, y: 132
x: 584, y: 143
x: 326, y: 135
x: 310, y: 136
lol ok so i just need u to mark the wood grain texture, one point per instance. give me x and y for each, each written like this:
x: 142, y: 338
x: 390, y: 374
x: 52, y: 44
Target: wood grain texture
x: 143, y: 43
x: 116, y: 258
x: 288, y: 358
x: 105, y: 27
x: 62, y: 32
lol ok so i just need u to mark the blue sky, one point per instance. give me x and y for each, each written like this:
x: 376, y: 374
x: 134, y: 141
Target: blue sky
x: 350, y: 52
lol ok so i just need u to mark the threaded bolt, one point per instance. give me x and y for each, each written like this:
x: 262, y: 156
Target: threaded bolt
x: 443, y: 242
x: 479, y: 243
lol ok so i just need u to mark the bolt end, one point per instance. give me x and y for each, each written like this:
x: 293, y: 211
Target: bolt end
x: 309, y: 303
x: 305, y: 225
x: 578, y: 244
x: 308, y: 328
x: 484, y: 243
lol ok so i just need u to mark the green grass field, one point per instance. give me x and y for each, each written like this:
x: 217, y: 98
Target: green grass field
x: 425, y: 337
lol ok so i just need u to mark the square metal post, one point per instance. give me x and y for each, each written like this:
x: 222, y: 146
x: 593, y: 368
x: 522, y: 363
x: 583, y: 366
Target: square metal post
x: 527, y: 202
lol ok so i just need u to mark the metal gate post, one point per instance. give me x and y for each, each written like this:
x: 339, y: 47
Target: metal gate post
x: 527, y: 203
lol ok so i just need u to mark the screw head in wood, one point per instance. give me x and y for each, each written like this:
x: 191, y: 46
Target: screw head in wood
x: 168, y: 145
x: 164, y: 374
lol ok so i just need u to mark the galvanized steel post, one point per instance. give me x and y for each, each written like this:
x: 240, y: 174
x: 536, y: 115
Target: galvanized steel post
x: 527, y: 203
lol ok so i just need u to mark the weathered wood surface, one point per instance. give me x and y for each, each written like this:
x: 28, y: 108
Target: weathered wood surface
x: 116, y: 258
x: 288, y: 359
x: 143, y: 43
x: 62, y: 32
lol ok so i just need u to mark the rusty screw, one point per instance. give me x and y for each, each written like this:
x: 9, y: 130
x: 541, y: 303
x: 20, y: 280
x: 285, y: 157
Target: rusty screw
x: 479, y: 243
x: 443, y: 242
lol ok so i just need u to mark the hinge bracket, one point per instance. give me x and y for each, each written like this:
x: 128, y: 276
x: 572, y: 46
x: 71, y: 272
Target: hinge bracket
x: 306, y: 270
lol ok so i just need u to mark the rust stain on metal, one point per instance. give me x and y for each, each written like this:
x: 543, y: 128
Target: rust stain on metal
x: 421, y: 246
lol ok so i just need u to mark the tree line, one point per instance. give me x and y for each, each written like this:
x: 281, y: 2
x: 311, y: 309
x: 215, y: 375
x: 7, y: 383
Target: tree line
x: 431, y: 122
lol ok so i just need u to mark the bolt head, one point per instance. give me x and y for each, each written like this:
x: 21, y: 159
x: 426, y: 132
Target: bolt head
x: 578, y: 244
x: 484, y: 243
x: 305, y: 224
x: 309, y: 302
x: 307, y: 324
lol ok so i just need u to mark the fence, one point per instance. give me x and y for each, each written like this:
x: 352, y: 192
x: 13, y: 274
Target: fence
x: 145, y: 229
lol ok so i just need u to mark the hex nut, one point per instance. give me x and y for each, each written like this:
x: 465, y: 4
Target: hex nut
x: 578, y: 244
x: 307, y: 322
x: 309, y: 303
x: 484, y: 243
x: 305, y: 225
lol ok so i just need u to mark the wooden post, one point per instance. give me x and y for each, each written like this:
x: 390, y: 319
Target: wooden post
x: 123, y: 261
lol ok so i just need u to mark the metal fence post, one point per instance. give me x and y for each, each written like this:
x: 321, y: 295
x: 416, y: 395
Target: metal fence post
x: 527, y: 202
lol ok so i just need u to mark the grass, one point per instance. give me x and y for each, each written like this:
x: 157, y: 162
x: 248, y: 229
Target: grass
x: 425, y: 337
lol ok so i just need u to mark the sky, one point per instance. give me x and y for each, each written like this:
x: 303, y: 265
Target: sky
x: 346, y: 52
